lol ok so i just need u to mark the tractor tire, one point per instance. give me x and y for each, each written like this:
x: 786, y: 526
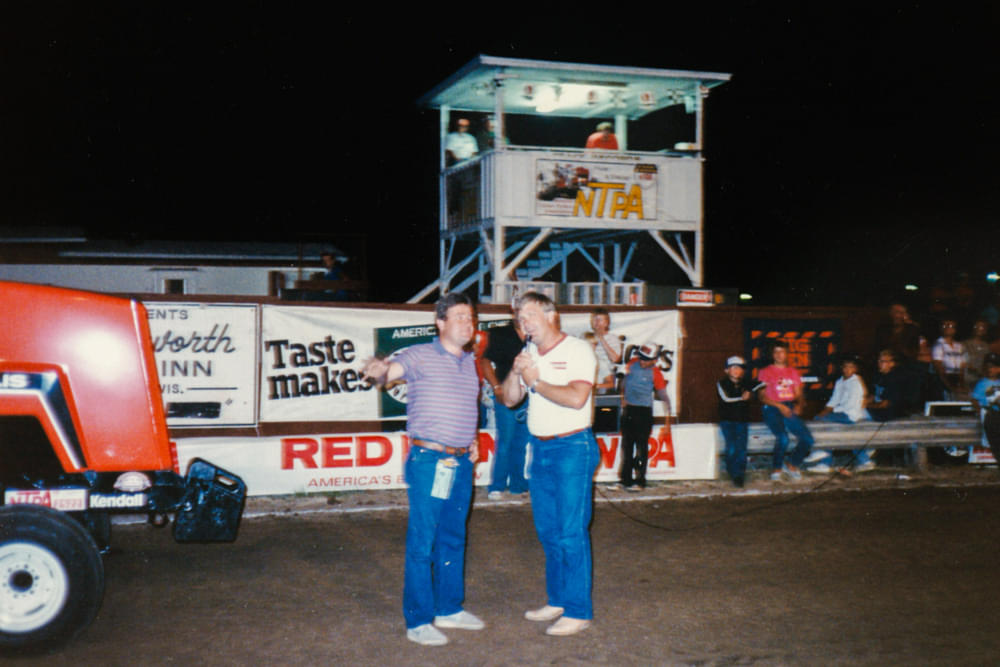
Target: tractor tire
x: 51, y: 578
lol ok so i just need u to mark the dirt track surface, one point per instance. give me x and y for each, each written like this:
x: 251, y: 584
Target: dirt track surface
x: 875, y: 571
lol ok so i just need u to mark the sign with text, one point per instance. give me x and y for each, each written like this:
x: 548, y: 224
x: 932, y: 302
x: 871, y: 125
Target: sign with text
x: 206, y: 358
x: 311, y: 361
x: 319, y: 463
x: 635, y: 328
x: 814, y: 347
x: 596, y: 190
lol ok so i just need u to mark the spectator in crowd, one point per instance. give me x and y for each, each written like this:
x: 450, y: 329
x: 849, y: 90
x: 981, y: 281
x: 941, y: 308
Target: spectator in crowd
x: 976, y: 349
x: 607, y: 349
x: 442, y: 421
x: 986, y: 397
x: 603, y: 138
x: 735, y: 391
x: 334, y: 270
x: 783, y: 401
x: 886, y: 401
x: 460, y: 145
x: 949, y: 359
x: 486, y: 138
x: 642, y: 379
x: 991, y: 312
x: 899, y: 334
x: 505, y: 343
x: 846, y: 406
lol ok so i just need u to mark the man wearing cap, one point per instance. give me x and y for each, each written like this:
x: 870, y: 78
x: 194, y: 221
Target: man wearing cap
x: 603, y: 139
x: 442, y: 412
x: 557, y: 373
x: 460, y: 145
x: 642, y: 379
x: 735, y: 392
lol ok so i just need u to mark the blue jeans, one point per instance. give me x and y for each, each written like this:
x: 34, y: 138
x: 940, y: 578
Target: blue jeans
x: 735, y: 434
x: 434, y: 579
x: 511, y: 443
x: 781, y: 426
x: 860, y: 456
x: 562, y: 486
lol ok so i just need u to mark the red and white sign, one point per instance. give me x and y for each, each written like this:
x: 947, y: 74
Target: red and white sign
x: 64, y: 500
x: 357, y: 461
x: 694, y: 297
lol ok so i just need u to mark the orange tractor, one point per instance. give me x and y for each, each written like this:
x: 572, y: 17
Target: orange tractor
x: 83, y: 436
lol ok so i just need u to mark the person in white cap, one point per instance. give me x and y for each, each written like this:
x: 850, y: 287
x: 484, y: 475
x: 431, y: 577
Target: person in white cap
x: 642, y: 379
x: 735, y: 392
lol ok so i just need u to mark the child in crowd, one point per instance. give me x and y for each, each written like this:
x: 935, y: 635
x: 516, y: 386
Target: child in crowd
x: 846, y: 406
x: 735, y: 392
x: 783, y: 401
x: 986, y: 397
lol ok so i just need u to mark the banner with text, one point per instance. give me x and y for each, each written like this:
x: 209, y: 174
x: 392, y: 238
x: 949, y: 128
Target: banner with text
x: 597, y: 190
x: 206, y: 358
x: 359, y: 461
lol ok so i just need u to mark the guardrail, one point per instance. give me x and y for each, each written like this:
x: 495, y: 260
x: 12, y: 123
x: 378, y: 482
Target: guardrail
x: 909, y: 432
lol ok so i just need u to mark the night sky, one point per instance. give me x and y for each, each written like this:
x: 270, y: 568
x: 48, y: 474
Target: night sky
x: 852, y: 152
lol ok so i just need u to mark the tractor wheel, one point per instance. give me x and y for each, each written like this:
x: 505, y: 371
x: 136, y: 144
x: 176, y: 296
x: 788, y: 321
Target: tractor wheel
x: 51, y: 578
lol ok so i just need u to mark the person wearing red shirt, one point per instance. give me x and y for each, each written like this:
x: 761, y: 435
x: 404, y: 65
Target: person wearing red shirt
x: 603, y: 139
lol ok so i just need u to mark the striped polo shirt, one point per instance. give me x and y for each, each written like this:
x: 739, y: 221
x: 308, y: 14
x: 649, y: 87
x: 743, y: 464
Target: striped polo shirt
x: 442, y: 394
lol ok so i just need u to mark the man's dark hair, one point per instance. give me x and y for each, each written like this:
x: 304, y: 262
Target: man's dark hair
x: 778, y: 343
x: 601, y: 311
x: 447, y: 301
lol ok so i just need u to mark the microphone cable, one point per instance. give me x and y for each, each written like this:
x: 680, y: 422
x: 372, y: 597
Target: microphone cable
x: 792, y: 497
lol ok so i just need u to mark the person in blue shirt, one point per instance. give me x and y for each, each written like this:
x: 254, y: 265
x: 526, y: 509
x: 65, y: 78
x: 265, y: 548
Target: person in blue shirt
x: 986, y: 397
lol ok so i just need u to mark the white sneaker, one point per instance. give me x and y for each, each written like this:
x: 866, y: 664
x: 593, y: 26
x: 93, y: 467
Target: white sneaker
x: 820, y: 469
x: 567, y: 626
x: 817, y: 455
x: 546, y: 613
x: 867, y: 466
x: 776, y: 476
x: 495, y: 495
x: 427, y: 635
x: 461, y: 620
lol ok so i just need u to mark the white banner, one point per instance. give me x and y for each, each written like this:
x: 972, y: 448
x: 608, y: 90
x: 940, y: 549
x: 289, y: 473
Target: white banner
x: 359, y: 461
x: 635, y: 328
x: 311, y: 361
x: 206, y: 358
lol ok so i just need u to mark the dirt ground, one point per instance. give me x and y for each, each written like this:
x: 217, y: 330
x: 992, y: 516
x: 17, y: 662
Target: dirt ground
x: 874, y: 570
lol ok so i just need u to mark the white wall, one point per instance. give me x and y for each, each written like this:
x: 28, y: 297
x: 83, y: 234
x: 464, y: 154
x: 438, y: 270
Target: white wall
x: 231, y: 280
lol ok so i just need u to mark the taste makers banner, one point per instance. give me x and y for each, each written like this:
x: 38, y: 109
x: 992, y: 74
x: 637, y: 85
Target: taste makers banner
x: 311, y: 358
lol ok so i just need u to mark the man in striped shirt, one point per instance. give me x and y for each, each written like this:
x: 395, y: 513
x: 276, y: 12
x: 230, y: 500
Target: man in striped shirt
x: 442, y: 413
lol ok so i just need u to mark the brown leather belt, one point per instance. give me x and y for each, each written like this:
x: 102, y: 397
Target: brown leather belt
x: 561, y: 435
x: 437, y: 447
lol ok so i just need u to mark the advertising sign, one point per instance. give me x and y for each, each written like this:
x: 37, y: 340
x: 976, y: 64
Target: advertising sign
x: 206, y: 357
x: 322, y: 463
x: 596, y: 190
